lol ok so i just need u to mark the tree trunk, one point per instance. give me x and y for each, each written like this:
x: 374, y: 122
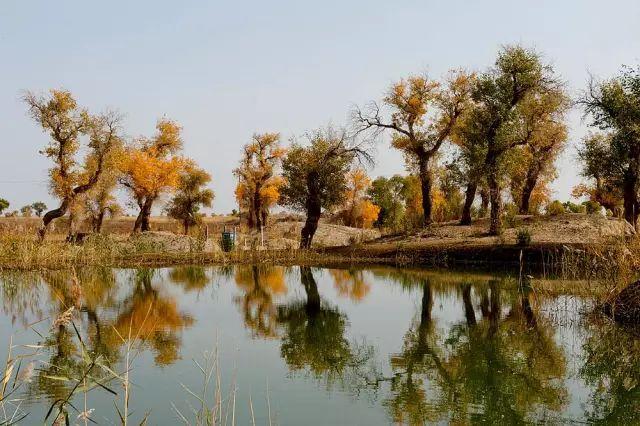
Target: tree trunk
x: 484, y: 202
x: 71, y: 233
x: 529, y: 185
x: 314, y: 209
x: 630, y: 198
x: 97, y: 226
x: 257, y: 209
x: 185, y: 224
x: 470, y: 195
x: 426, y: 182
x: 142, y: 221
x: 146, y: 215
x: 495, y: 198
x: 51, y: 215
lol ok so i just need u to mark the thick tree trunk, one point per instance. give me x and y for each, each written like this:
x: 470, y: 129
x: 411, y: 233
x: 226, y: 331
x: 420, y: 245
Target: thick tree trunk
x: 495, y: 198
x: 314, y: 209
x: 142, y: 221
x: 529, y: 185
x: 470, y: 195
x: 484, y: 202
x: 426, y: 182
x: 257, y: 209
x: 97, y: 227
x: 51, y: 215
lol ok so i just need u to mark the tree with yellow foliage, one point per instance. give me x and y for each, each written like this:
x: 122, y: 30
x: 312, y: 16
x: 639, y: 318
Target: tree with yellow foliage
x: 423, y: 115
x: 359, y: 210
x: 151, y: 168
x: 258, y: 187
x: 60, y: 116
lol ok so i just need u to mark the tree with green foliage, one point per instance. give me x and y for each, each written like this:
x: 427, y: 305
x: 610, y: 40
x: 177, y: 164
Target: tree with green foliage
x: 26, y: 211
x: 498, y: 123
x: 602, y: 186
x: 387, y: 193
x: 39, y: 207
x: 614, y: 107
x: 4, y: 204
x: 191, y: 195
x: 315, y: 175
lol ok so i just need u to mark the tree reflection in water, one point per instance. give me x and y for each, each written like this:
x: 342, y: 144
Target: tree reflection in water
x: 490, y: 367
x: 260, y: 284
x: 612, y: 368
x: 313, y: 339
x: 350, y: 283
x: 152, y: 316
x: 478, y: 349
x: 101, y: 321
x: 190, y: 278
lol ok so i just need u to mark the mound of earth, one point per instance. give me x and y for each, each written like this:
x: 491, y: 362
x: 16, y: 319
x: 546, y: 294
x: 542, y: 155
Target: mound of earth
x: 570, y: 228
x: 286, y: 235
x: 158, y: 241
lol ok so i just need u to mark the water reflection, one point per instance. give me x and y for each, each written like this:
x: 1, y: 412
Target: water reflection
x: 478, y: 348
x: 313, y: 336
x: 612, y: 369
x: 259, y: 285
x: 153, y: 317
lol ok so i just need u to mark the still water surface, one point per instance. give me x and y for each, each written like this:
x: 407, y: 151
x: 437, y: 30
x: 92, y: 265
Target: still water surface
x: 317, y: 346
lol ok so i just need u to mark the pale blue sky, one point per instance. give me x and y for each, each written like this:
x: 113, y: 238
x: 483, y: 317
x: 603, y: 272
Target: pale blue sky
x: 225, y: 70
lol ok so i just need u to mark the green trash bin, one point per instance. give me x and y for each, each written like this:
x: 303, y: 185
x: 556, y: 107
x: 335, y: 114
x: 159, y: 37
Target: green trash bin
x: 228, y: 240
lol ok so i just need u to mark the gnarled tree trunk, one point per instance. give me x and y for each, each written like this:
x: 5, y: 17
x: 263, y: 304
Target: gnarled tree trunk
x: 97, y: 226
x: 529, y: 185
x: 314, y: 209
x: 51, y: 215
x: 470, y: 195
x: 142, y: 221
x: 426, y: 182
x: 484, y: 202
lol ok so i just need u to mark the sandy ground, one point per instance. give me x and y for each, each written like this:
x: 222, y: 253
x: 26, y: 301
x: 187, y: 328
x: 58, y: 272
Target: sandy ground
x: 569, y: 228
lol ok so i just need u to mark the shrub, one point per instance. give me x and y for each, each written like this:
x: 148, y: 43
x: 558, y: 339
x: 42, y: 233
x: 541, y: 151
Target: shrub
x: 555, y: 208
x: 573, y: 207
x: 592, y: 207
x: 523, y: 237
x: 510, y: 215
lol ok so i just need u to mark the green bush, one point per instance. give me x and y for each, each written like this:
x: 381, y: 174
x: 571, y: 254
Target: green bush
x: 573, y: 207
x: 523, y: 237
x: 592, y: 207
x: 510, y: 215
x: 555, y: 208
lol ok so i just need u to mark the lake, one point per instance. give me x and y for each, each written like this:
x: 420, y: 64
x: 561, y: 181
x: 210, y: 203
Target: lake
x: 313, y: 346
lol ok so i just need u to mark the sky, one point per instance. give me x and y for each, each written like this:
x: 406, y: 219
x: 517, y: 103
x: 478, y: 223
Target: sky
x: 225, y: 70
